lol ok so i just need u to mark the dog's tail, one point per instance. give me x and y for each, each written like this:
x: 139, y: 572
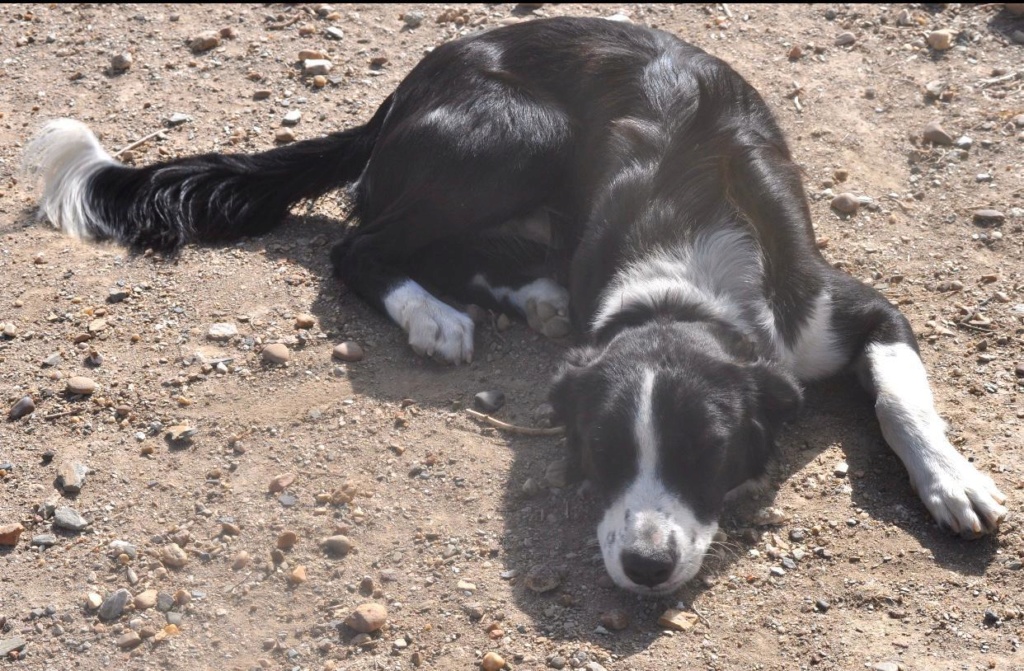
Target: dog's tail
x: 210, y: 197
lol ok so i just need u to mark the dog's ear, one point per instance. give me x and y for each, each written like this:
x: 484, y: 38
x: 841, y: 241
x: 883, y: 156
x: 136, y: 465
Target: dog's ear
x: 568, y: 400
x: 779, y: 397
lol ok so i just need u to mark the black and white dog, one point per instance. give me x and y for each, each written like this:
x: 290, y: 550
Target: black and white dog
x: 635, y: 168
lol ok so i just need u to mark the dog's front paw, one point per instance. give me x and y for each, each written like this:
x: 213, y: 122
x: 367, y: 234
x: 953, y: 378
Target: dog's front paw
x: 960, y: 497
x: 546, y: 306
x: 441, y: 331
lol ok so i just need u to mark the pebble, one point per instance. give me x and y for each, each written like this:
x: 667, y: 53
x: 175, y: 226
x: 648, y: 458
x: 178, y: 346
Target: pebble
x: 261, y: 94
x: 25, y: 406
x: 367, y: 618
x: 412, y: 19
x: 465, y: 586
x: 316, y: 66
x: 934, y: 132
x: 222, y: 331
x: 311, y: 54
x: 10, y: 330
x: 121, y: 62
x: 113, y: 605
x: 887, y: 666
x: 276, y: 353
x: 348, y: 351
x: 1019, y: 370
x: 93, y: 601
x: 338, y: 546
x: 305, y: 322
x: 556, y: 662
x: 678, y: 620
x: 298, y: 575
x: 71, y: 476
x: 822, y: 606
x: 178, y: 118
x: 941, y: 40
x: 44, y: 540
x: 503, y: 322
x: 489, y: 401
x: 9, y: 533
x: 118, y: 294
x: 68, y: 518
x: 81, y: 385
x: 281, y: 482
x: 556, y: 474
x: 492, y: 661
x: 204, y: 41
x: 173, y: 556
x: 9, y: 645
x: 988, y: 216
x: 287, y: 540
x: 615, y: 620
x: 240, y: 561
x: 319, y: 81
x: 145, y: 600
x: 841, y: 469
x: 543, y: 578
x: 335, y: 33
x: 180, y: 432
x: 770, y: 516
x: 128, y: 640
x: 284, y: 136
x: 845, y: 39
x: 164, y: 602
x: 291, y: 118
x: 847, y: 203
x: 51, y: 360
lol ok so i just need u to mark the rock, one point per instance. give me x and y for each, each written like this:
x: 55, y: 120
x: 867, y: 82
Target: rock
x: 934, y: 132
x: 276, y: 353
x: 284, y: 136
x: 128, y: 640
x: 222, y: 331
x: 145, y: 600
x: 678, y: 620
x: 9, y: 533
x: 281, y: 482
x: 316, y: 66
x: 847, y: 203
x: 841, y: 469
x: 261, y: 94
x: 367, y: 618
x: 503, y: 322
x: 311, y: 54
x: 989, y: 216
x: 240, y: 561
x: 489, y: 401
x: 43, y: 540
x: 845, y: 39
x: 339, y: 546
x: 941, y: 40
x: 298, y: 575
x: 291, y: 118
x: 51, y: 361
x: 305, y: 322
x: 887, y: 666
x: 178, y: 118
x: 492, y: 661
x: 319, y: 81
x: 114, y: 604
x: 556, y: 327
x: 68, y: 518
x: 164, y: 602
x: 71, y: 476
x: 615, y: 620
x: 204, y: 41
x: 770, y: 517
x: 24, y: 407
x: 171, y: 555
x: 81, y: 385
x: 543, y: 578
x: 9, y: 645
x: 936, y: 88
x: 904, y: 18
x: 348, y: 351
x: 465, y: 586
x: 335, y: 33
x: 180, y: 432
x: 1019, y: 370
x: 121, y: 62
x: 287, y: 540
x: 93, y: 601
x: 10, y: 331
x: 412, y: 19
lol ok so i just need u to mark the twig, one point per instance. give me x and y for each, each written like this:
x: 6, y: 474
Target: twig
x: 998, y: 80
x: 239, y: 583
x: 135, y: 144
x: 972, y: 327
x: 57, y: 415
x: 726, y: 10
x: 281, y: 26
x: 512, y: 428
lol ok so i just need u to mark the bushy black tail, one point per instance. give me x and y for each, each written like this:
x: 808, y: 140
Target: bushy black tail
x: 209, y: 197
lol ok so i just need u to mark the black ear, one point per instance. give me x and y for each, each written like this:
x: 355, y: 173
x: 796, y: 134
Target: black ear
x: 564, y: 393
x: 779, y: 396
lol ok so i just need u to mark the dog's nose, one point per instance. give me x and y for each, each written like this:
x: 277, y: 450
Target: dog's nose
x: 648, y: 568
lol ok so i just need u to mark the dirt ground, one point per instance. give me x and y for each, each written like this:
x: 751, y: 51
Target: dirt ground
x: 449, y: 518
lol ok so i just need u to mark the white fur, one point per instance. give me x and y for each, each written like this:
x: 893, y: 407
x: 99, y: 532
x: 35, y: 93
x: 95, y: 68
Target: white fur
x: 647, y: 516
x: 434, y: 328
x: 541, y: 290
x: 953, y: 490
x: 65, y: 155
x: 716, y: 271
x: 815, y: 354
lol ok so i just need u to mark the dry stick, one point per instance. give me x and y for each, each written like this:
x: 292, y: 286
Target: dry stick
x: 135, y: 144
x: 512, y: 428
x: 62, y: 414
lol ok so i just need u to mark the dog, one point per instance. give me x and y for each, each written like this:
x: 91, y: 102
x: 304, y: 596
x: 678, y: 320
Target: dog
x: 636, y: 170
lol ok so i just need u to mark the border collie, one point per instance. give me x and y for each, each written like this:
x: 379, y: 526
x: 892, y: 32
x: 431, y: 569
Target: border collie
x: 591, y: 174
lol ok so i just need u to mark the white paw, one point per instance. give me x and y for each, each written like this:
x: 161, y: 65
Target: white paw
x: 960, y: 497
x: 546, y: 306
x: 435, y: 329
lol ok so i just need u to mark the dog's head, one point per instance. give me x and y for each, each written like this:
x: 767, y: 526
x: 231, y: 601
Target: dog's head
x: 665, y: 420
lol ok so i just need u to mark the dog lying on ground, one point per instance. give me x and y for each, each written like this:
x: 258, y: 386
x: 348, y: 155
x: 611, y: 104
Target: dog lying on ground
x: 648, y: 177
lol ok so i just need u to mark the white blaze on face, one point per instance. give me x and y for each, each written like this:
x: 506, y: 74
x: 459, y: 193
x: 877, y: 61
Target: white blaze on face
x: 647, y: 517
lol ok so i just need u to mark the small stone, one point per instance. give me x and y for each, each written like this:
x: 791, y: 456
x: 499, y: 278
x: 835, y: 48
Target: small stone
x: 847, y: 203
x: 287, y: 540
x: 164, y: 602
x: 489, y: 401
x: 172, y: 556
x: 51, y: 361
x: 68, y: 518
x: 770, y: 516
x: 845, y: 39
x: 44, y: 540
x: 11, y: 645
x: 503, y: 322
x: 339, y: 546
x: 934, y: 132
x: 319, y: 81
x: 964, y: 142
x: 841, y: 469
x: 261, y: 94
x: 887, y: 666
x: 9, y: 534
x: 71, y: 476
x: 988, y: 216
x: 222, y: 331
x: 284, y: 136
x: 412, y: 19
x: 180, y: 432
x: 556, y: 475
x: 348, y: 351
x: 81, y: 385
x: 178, y: 118
x: 298, y: 575
x: 615, y: 620
x: 311, y: 54
x: 145, y: 600
x: 465, y: 586
x: 204, y: 41
x: 492, y: 661
x: 97, y: 325
x: 281, y: 482
x: 936, y: 88
x: 240, y: 561
x: 904, y: 18
x: 543, y: 578
x: 335, y: 33
x: 121, y: 62
x: 276, y: 353
x: 941, y: 40
x: 114, y: 604
x: 10, y: 330
x: 1019, y: 370
x: 24, y: 407
x: 305, y: 322
x: 128, y: 640
x: 93, y: 601
x: 556, y: 327
x: 556, y: 662
x: 367, y: 618
x: 316, y: 66
x: 291, y: 118
x: 678, y: 620
x: 822, y: 606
